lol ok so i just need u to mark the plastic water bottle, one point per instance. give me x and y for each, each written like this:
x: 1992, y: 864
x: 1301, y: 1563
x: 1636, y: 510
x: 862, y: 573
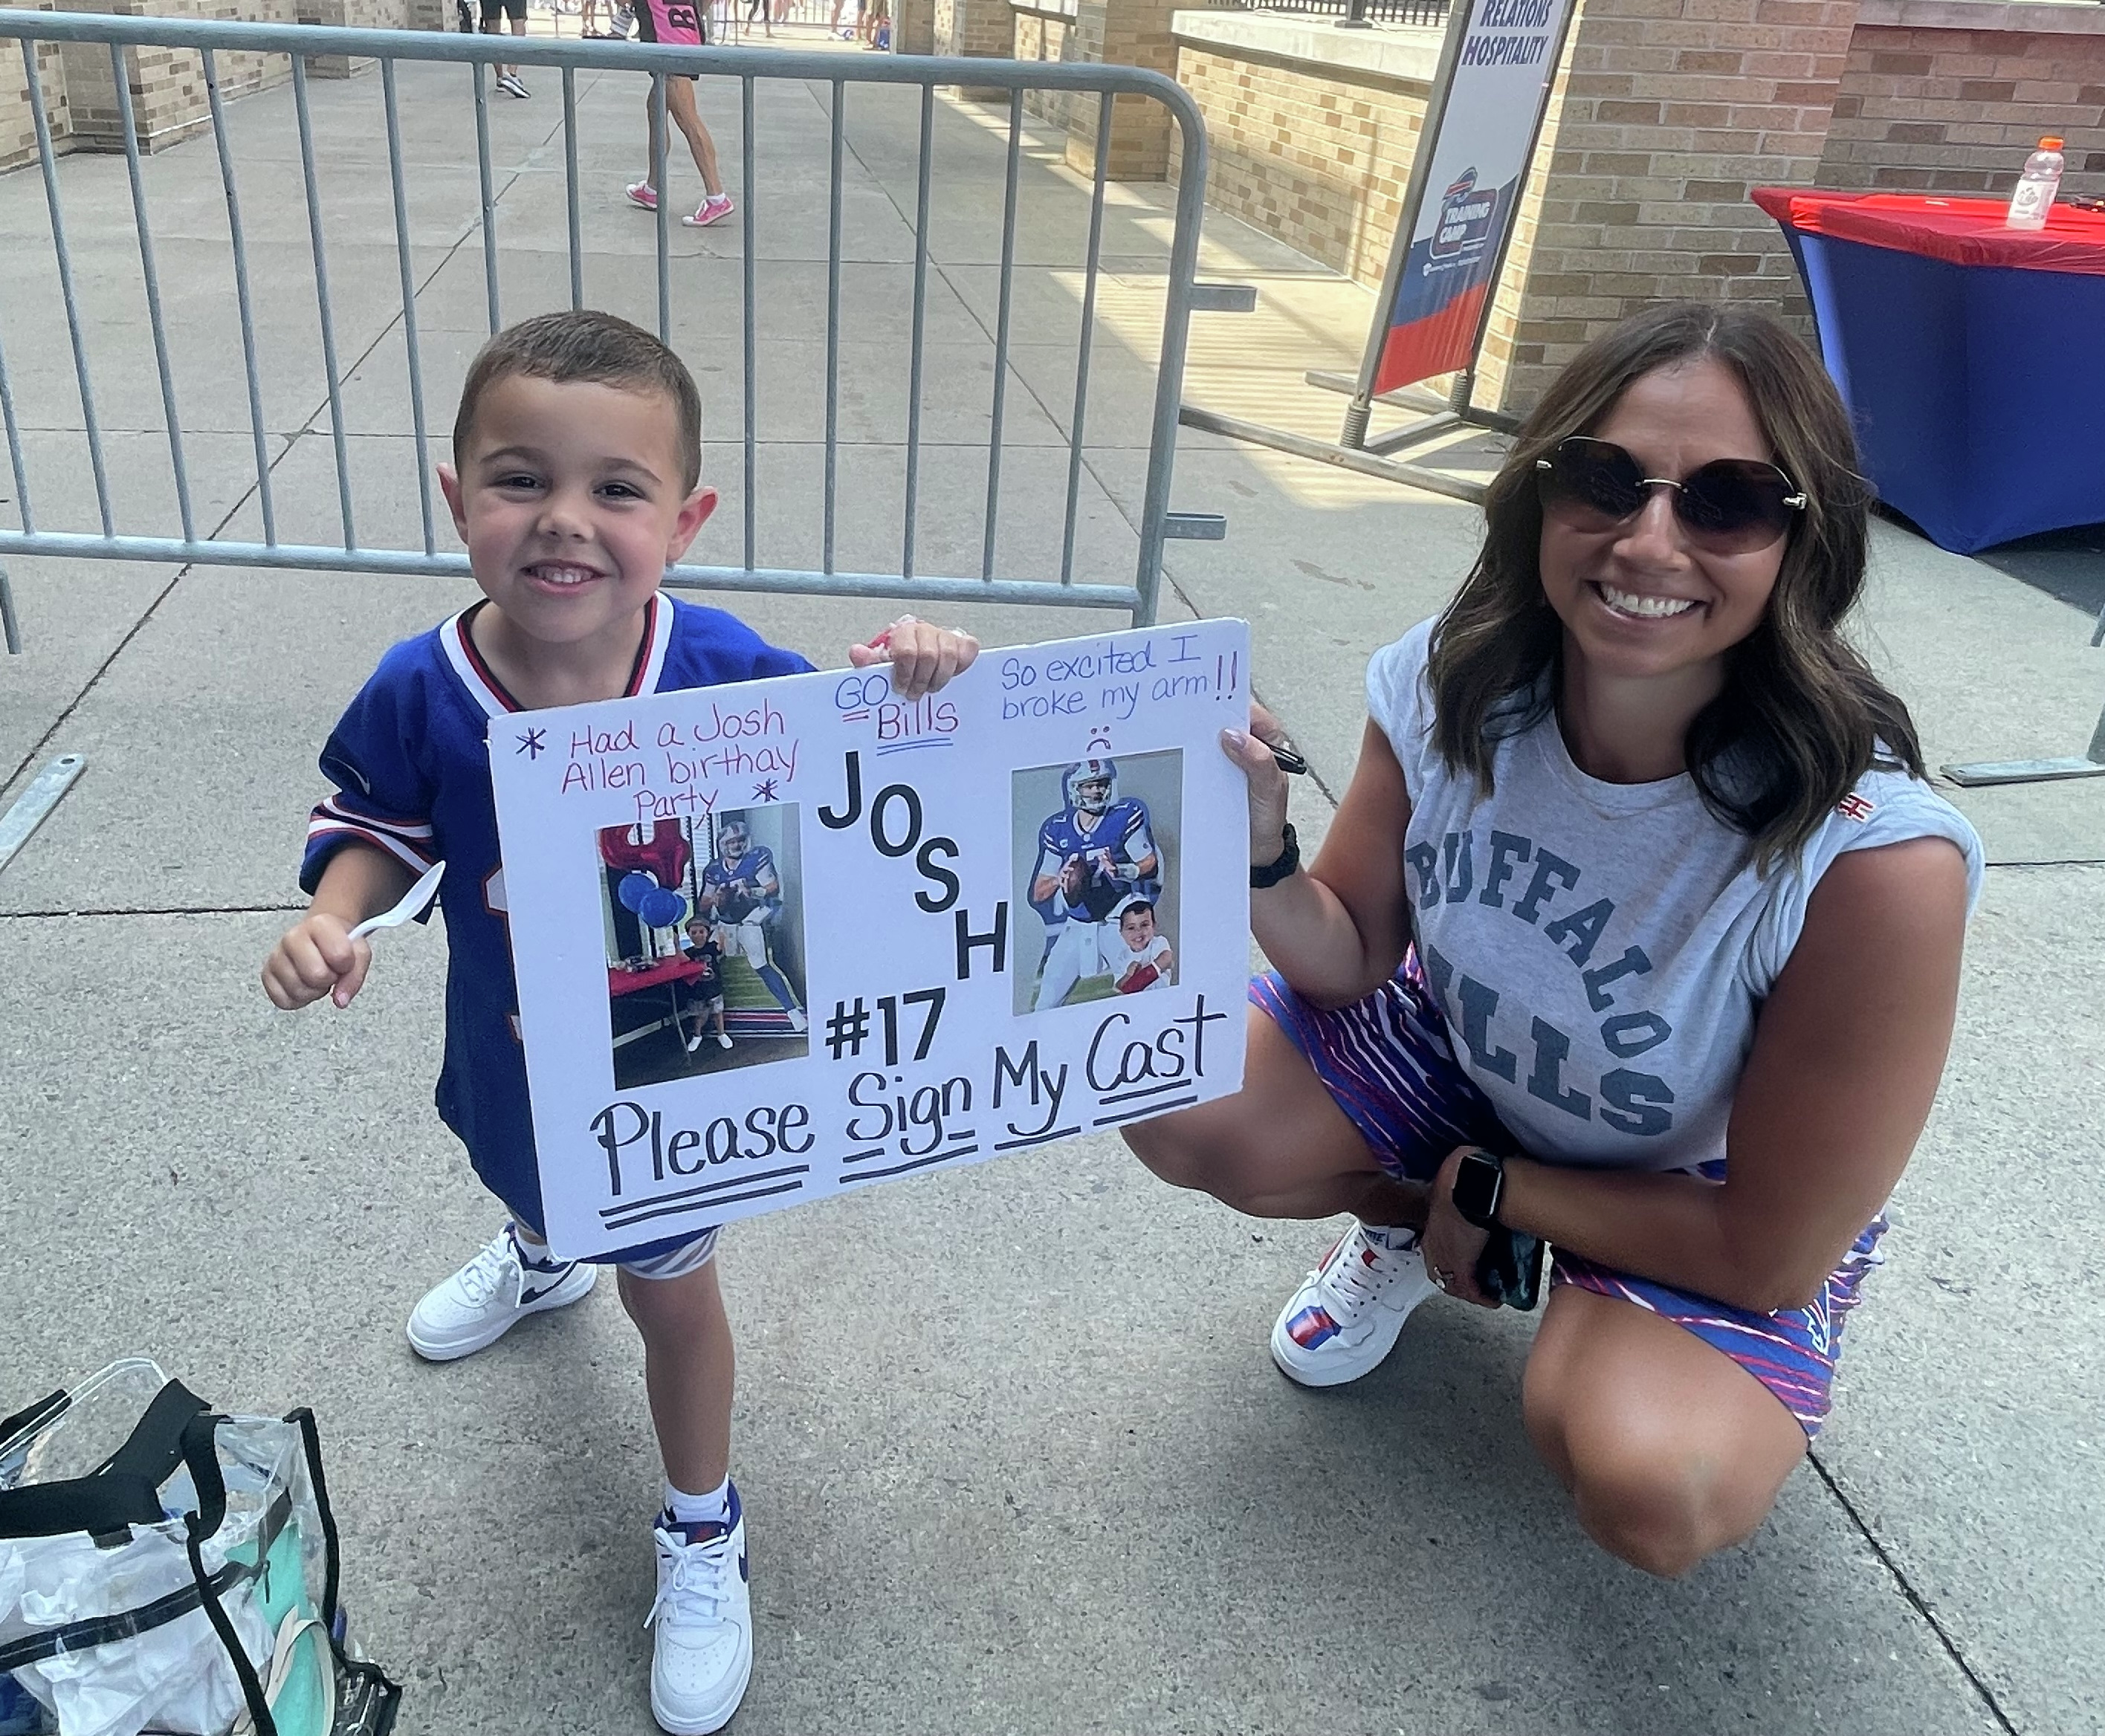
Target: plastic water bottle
x: 2036, y: 187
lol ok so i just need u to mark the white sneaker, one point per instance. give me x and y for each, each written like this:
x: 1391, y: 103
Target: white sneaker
x: 723, y: 1039
x: 1349, y: 1312
x: 695, y: 1042
x: 798, y: 1021
x: 489, y: 1296
x: 702, y: 1656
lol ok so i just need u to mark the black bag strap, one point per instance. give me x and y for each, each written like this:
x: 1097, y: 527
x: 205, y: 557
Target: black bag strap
x: 37, y: 1415
x: 310, y: 1441
x: 122, y: 1492
x: 200, y: 1451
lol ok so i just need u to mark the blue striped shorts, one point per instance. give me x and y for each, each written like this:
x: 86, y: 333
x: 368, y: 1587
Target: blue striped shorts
x: 1388, y: 1064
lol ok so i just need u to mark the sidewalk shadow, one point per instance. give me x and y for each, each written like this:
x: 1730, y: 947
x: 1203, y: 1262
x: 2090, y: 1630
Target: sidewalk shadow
x: 2067, y: 565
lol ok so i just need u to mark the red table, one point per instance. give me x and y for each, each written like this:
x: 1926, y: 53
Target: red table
x: 1972, y: 356
x: 676, y: 969
x: 667, y: 974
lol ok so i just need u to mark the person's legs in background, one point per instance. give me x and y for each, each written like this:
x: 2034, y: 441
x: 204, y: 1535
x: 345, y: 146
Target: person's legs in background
x: 716, y: 204
x: 680, y: 104
x: 494, y: 12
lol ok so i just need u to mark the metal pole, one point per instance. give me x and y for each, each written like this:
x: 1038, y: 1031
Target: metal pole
x: 920, y: 327
x: 121, y: 75
x: 322, y: 295
x: 241, y: 298
x: 414, y: 361
x: 488, y: 197
x: 1001, y: 331
x: 831, y: 482
x: 570, y: 187
x: 1104, y: 113
x: 64, y: 259
x: 1170, y: 370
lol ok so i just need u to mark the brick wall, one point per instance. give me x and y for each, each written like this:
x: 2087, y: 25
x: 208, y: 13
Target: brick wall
x: 972, y: 27
x: 1318, y: 158
x: 18, y: 124
x: 912, y: 26
x: 1046, y: 36
x: 169, y: 101
x: 1956, y: 110
x: 1673, y: 110
x: 1123, y: 33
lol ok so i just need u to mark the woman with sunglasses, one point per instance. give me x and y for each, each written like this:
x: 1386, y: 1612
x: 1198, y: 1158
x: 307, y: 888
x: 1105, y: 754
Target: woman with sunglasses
x: 1637, y: 932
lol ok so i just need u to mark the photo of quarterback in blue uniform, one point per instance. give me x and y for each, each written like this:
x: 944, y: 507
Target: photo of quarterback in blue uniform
x: 1093, y: 856
x: 740, y: 894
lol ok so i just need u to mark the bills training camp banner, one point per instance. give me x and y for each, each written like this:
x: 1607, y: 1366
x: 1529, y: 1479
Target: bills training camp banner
x: 1475, y: 151
x: 794, y: 938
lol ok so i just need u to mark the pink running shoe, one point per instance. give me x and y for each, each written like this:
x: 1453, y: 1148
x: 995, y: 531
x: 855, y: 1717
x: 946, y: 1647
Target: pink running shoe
x: 713, y: 209
x: 642, y: 192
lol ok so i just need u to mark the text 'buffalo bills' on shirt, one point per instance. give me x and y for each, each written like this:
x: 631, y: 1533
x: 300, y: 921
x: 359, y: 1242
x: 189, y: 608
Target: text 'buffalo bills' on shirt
x: 1601, y: 951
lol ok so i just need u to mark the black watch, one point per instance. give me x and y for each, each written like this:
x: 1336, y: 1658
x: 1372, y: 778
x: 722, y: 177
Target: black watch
x: 1289, y: 859
x: 1480, y: 1183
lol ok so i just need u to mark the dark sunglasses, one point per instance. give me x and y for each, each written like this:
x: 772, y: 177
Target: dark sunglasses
x: 1727, y: 506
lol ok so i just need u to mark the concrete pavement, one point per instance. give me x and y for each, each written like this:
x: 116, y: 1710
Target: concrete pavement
x: 1013, y: 1453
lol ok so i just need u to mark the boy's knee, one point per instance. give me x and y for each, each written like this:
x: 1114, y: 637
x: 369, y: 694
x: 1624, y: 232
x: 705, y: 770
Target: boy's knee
x: 671, y: 1304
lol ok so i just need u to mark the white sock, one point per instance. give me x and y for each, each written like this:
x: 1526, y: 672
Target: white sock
x: 535, y: 1250
x: 712, y: 1509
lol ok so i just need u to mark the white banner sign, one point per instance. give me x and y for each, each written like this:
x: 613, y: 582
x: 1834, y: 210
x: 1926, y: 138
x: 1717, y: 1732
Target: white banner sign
x: 780, y: 940
x: 1481, y: 137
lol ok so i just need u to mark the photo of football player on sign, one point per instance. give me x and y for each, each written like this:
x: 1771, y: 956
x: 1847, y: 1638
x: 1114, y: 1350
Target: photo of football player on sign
x: 1098, y: 866
x: 704, y: 927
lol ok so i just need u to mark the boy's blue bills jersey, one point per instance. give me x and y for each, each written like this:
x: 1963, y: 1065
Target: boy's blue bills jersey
x: 1124, y: 831
x: 410, y: 760
x: 742, y: 891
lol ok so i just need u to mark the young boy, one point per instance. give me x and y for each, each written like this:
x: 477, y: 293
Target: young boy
x: 703, y: 995
x: 576, y: 483
x: 1139, y: 958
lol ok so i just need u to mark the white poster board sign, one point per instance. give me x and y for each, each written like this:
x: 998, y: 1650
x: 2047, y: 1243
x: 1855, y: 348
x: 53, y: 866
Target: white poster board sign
x: 783, y: 940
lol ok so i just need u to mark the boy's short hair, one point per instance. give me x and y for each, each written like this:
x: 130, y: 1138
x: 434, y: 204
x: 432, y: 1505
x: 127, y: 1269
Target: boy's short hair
x: 587, y: 345
x: 1131, y: 905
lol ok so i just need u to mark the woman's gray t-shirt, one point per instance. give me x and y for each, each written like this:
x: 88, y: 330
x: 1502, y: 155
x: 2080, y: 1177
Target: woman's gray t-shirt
x: 1601, y: 951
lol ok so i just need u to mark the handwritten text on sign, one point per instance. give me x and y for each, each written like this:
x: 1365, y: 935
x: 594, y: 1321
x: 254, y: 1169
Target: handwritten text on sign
x: 778, y: 941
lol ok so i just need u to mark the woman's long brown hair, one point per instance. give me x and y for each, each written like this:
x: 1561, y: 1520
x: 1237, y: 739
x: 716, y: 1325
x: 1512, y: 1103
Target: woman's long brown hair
x: 1801, y: 717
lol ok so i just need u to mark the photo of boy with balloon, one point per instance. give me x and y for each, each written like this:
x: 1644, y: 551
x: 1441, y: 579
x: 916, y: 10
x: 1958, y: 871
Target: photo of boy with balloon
x: 672, y: 880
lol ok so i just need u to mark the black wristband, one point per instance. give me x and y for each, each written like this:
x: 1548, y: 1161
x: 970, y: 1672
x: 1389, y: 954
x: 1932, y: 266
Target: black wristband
x: 1289, y: 859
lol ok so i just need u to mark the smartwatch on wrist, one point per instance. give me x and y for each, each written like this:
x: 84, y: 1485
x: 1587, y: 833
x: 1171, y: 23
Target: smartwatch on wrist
x: 1480, y: 1183
x: 1289, y: 859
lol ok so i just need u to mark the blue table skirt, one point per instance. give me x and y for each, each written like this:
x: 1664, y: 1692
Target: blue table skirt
x: 1978, y: 391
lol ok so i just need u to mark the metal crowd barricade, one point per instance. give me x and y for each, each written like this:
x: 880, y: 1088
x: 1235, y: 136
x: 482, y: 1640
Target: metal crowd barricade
x: 1050, y: 579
